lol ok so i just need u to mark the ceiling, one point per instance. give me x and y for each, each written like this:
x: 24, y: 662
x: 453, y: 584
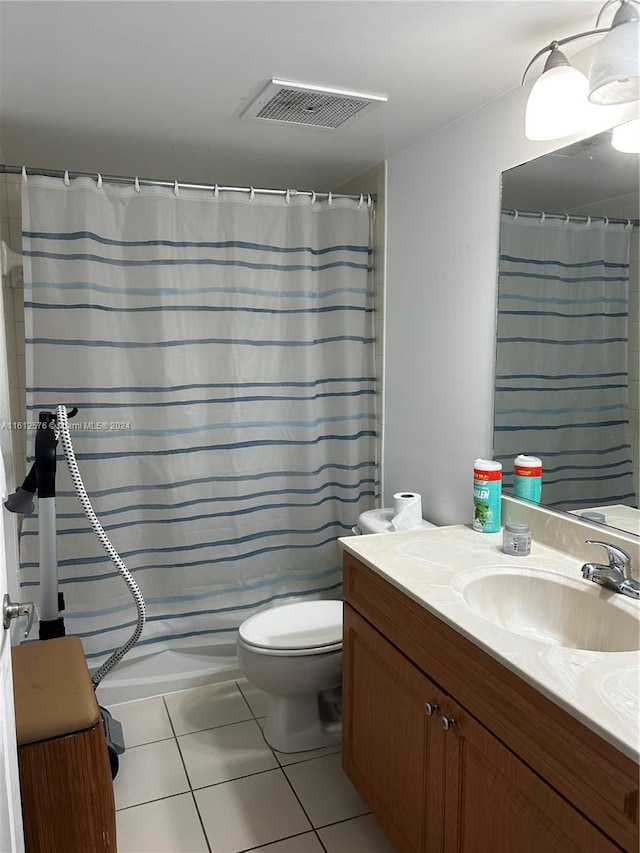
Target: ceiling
x: 157, y: 88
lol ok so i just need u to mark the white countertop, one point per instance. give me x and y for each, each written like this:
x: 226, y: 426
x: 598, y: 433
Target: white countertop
x: 617, y: 515
x: 601, y: 689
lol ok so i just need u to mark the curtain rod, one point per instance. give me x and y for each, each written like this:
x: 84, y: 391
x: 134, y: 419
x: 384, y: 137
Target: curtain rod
x: 119, y: 179
x: 568, y: 217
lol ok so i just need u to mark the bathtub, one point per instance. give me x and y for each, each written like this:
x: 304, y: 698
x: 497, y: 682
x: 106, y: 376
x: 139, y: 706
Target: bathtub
x: 168, y: 671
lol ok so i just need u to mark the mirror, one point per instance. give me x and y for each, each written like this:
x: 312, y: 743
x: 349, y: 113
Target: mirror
x: 567, y: 353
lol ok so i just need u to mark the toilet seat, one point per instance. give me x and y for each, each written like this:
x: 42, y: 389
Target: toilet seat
x: 290, y: 653
x: 303, y: 628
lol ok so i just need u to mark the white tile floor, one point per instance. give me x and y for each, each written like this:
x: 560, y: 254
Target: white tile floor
x: 197, y: 776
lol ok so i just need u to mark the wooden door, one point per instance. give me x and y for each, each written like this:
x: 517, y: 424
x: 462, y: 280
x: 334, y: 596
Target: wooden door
x: 494, y: 803
x: 390, y: 752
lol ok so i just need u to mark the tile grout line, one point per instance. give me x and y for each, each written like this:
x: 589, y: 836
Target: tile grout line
x: 192, y: 791
x: 149, y: 802
x: 186, y: 773
x: 275, y: 752
x: 320, y: 841
x: 195, y: 732
x: 246, y: 776
x: 281, y: 767
x: 246, y: 701
x: 286, y: 838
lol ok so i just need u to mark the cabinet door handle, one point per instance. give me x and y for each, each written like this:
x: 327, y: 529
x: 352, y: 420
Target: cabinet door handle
x: 430, y: 708
x: 447, y: 723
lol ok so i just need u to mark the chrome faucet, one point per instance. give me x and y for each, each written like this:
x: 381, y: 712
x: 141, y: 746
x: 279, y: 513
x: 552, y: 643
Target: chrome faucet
x: 615, y: 576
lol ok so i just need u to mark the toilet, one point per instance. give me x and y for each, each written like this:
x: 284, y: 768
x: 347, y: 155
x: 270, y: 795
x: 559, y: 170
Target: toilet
x: 381, y: 521
x: 293, y: 652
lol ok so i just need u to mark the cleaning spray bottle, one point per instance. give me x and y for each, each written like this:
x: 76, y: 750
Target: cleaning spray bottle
x: 527, y: 478
x: 487, y: 495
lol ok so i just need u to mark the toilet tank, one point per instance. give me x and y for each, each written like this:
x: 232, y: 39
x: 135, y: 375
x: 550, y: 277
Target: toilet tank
x: 381, y: 521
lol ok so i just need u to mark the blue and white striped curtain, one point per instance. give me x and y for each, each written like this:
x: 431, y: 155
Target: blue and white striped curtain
x: 220, y: 353
x: 562, y: 358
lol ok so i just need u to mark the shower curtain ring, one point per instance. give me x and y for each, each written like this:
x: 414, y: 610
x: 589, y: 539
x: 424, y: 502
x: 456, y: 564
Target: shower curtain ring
x: 287, y: 197
x: 515, y: 215
x: 99, y: 181
x: 606, y: 221
x: 66, y: 180
x: 361, y: 202
x: 588, y: 222
x: 566, y: 219
x: 136, y: 184
x: 330, y: 199
x: 628, y: 225
x: 176, y: 189
x: 216, y: 191
x: 252, y: 193
x: 24, y: 175
x: 543, y: 216
x: 313, y: 196
x: 369, y: 200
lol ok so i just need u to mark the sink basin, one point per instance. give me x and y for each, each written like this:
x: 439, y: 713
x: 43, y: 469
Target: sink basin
x: 553, y: 609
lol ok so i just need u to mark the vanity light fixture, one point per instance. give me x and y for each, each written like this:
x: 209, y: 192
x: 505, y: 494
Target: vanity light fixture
x: 614, y: 77
x: 557, y: 104
x: 559, y: 100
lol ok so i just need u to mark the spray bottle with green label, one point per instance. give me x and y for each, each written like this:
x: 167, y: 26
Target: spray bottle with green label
x: 487, y: 495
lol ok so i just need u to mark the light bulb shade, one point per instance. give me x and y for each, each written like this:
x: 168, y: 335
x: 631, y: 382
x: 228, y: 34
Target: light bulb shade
x: 626, y: 137
x: 614, y: 77
x: 557, y: 104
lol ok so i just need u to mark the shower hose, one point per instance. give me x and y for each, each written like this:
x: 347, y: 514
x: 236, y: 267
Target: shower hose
x: 81, y: 492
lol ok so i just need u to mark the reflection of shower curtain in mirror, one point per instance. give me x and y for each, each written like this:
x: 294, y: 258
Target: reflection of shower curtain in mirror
x: 562, y: 358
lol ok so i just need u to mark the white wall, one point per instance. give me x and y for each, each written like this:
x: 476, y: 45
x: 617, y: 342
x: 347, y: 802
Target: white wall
x: 443, y: 203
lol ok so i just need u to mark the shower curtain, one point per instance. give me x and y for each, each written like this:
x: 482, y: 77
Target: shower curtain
x: 219, y: 348
x: 561, y: 369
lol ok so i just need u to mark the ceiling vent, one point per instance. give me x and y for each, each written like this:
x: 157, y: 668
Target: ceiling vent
x: 298, y: 103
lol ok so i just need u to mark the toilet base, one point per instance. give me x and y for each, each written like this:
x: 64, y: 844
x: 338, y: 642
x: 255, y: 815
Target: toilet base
x: 294, y: 724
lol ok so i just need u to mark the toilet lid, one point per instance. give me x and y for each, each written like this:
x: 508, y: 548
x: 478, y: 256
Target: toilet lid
x: 304, y: 625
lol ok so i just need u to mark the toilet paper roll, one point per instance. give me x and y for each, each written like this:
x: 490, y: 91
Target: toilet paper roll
x: 407, y: 510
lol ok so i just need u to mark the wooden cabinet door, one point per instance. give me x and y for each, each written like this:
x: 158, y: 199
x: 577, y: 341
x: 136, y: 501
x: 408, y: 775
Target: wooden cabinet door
x: 495, y: 802
x: 393, y: 751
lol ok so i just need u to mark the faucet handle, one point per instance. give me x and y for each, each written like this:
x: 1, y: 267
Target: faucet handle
x: 618, y: 558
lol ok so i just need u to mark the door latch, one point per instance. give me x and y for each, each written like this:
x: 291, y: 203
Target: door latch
x: 15, y: 609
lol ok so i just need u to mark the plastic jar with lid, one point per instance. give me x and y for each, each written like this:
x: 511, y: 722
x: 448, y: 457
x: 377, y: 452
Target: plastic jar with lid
x: 516, y: 538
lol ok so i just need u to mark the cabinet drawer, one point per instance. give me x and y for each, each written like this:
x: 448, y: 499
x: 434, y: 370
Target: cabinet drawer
x: 594, y: 776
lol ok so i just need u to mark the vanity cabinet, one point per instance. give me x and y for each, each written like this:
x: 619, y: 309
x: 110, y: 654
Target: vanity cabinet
x: 453, y: 752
